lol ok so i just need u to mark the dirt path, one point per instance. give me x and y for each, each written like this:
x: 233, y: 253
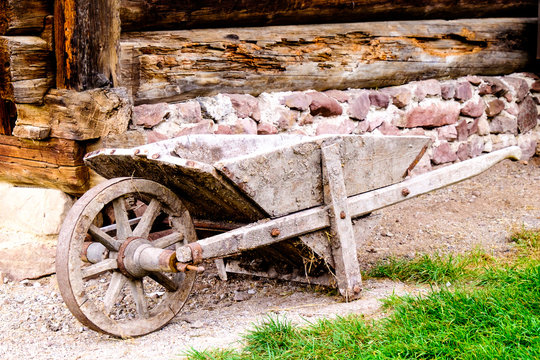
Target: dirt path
x: 479, y: 213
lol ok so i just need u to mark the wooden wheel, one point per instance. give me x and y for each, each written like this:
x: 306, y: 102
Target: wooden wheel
x: 97, y: 240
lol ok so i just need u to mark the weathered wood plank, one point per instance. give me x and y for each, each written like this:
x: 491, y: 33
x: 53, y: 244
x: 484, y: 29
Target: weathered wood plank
x: 86, y: 43
x: 54, y: 152
x: 79, y: 115
x: 347, y: 269
x: 70, y: 179
x: 19, y: 17
x: 8, y: 116
x: 26, y: 68
x: 170, y: 66
x: 137, y: 15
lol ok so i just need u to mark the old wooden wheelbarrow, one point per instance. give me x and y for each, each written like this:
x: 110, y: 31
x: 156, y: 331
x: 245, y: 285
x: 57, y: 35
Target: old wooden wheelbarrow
x: 277, y: 205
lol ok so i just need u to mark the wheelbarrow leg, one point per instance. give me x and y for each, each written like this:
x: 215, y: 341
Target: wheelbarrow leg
x: 343, y: 244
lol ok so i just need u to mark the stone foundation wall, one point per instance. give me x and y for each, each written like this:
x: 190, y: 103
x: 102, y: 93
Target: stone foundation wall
x: 464, y: 117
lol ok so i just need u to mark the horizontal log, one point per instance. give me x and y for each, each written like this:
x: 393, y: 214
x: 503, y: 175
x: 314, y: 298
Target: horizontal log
x: 54, y: 163
x: 26, y: 68
x: 19, y: 17
x: 137, y: 15
x: 172, y: 66
x: 79, y: 115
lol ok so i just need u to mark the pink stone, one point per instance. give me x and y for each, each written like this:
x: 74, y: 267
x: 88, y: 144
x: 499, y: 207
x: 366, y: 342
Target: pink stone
x: 443, y: 154
x: 473, y: 108
x: 223, y: 130
x: 379, y: 99
x: 512, y: 109
x: 388, y: 129
x: 462, y: 130
x: 266, y: 129
x: 448, y: 90
x: 432, y: 115
x: 528, y: 115
x: 339, y: 95
x: 463, y: 151
x: 502, y: 124
x: 287, y: 118
x: 473, y: 126
x: 245, y: 105
x: 494, y: 107
x: 245, y: 126
x: 305, y: 119
x: 203, y: 127
x: 359, y: 106
x: 150, y: 115
x: 401, y: 96
x: 528, y: 148
x: 345, y: 126
x: 476, y: 146
x: 535, y: 86
x: 427, y: 88
x: 297, y: 101
x: 362, y: 127
x: 324, y: 105
x: 492, y: 86
x: 463, y: 91
x: 153, y: 136
x: 187, y: 112
x: 475, y: 80
x: 520, y: 86
x: 375, y: 122
x: 448, y: 133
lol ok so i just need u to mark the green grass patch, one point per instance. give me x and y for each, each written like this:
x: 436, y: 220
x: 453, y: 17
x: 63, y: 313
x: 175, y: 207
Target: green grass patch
x: 433, y: 269
x: 495, y: 314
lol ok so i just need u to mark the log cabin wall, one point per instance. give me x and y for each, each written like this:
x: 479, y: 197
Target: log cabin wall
x: 71, y: 70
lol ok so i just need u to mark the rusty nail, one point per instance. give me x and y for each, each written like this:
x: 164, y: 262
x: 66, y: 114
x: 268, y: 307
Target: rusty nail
x: 342, y: 215
x: 275, y: 232
x: 155, y: 156
x: 357, y: 289
x: 405, y: 192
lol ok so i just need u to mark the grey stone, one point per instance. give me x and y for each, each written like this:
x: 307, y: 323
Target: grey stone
x: 504, y: 124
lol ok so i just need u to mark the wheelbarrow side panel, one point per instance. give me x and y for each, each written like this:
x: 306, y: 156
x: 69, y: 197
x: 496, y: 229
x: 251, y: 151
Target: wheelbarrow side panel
x: 289, y: 179
x: 206, y: 194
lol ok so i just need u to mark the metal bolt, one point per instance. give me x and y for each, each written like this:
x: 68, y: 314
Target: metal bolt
x: 357, y: 289
x: 275, y: 232
x: 405, y: 192
x: 342, y: 215
x: 155, y: 156
x: 113, y: 151
x: 136, y: 152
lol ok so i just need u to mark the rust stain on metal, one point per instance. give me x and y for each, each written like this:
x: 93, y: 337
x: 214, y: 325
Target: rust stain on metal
x: 155, y: 156
x: 196, y: 253
x: 342, y: 215
x: 357, y: 289
x: 405, y: 192
x: 275, y: 232
x: 136, y: 152
x: 167, y: 260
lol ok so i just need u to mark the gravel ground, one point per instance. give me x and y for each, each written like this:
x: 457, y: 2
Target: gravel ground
x: 478, y: 213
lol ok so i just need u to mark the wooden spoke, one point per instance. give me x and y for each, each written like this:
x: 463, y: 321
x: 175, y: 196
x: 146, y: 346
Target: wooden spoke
x: 118, y: 281
x: 164, y: 281
x: 168, y: 240
x: 101, y: 237
x: 137, y: 291
x: 123, y: 230
x: 98, y: 268
x: 112, y: 227
x: 147, y: 220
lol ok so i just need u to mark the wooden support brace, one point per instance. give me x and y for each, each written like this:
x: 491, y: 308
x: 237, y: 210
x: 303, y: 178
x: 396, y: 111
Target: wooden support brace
x: 347, y: 269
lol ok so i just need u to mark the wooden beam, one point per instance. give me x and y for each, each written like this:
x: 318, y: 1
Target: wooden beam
x: 26, y: 68
x: 54, y: 163
x: 23, y: 17
x: 86, y: 43
x: 8, y: 115
x: 177, y: 65
x: 79, y: 115
x: 137, y: 15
